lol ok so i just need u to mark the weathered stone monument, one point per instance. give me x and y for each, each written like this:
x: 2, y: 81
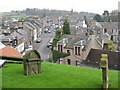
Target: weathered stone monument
x: 104, y: 67
x: 32, y: 62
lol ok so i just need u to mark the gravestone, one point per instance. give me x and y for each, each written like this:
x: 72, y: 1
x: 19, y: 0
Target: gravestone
x: 104, y: 67
x: 32, y: 62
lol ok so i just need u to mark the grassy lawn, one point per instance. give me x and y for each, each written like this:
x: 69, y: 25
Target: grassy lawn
x: 56, y: 76
x: 0, y: 79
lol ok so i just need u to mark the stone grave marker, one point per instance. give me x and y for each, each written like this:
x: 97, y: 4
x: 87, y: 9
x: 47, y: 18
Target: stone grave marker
x: 32, y: 62
x: 104, y: 67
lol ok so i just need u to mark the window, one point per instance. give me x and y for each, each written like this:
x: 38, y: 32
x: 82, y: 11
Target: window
x: 59, y: 48
x: 68, y: 51
x: 77, y: 50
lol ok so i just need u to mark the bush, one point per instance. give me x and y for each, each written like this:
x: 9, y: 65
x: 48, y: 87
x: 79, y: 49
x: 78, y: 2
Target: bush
x: 111, y: 45
x: 57, y: 55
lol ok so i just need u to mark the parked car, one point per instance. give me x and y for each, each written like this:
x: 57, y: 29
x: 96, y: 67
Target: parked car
x: 49, y: 31
x: 46, y: 30
x: 49, y: 45
x: 51, y: 40
x: 38, y: 40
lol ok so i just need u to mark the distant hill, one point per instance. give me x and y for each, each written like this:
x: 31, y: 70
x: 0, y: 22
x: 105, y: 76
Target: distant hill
x: 47, y: 12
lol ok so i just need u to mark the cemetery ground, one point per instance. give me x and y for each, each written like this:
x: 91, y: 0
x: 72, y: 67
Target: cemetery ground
x: 56, y: 76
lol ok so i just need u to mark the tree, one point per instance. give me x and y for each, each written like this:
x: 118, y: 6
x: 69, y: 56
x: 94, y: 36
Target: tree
x: 66, y: 27
x: 111, y: 46
x: 106, y: 13
x: 57, y: 37
x: 97, y: 17
x: 57, y: 55
x: 85, y: 18
x: 106, y: 16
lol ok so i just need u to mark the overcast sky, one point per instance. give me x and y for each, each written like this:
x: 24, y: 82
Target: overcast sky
x: 95, y: 6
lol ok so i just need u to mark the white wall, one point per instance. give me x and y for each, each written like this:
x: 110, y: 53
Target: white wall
x: 35, y: 34
x: 20, y: 47
x: 2, y: 46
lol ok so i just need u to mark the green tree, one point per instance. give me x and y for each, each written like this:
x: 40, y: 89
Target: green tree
x: 111, y: 46
x: 97, y: 17
x: 57, y: 55
x: 106, y: 16
x: 106, y: 13
x: 66, y: 27
x: 57, y: 37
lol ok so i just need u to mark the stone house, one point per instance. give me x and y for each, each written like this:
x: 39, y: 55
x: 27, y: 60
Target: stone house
x: 18, y: 41
x: 38, y: 26
x: 30, y: 30
x: 75, y: 45
x: 14, y: 39
x: 112, y: 29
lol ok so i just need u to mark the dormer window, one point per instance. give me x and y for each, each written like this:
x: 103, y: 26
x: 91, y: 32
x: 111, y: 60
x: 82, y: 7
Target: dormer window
x: 105, y: 30
x: 77, y: 50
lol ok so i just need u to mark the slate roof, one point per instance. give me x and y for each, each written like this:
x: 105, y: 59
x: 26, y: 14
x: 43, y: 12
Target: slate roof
x: 2, y: 45
x: 80, y: 23
x: 38, y: 22
x: 28, y: 26
x: 94, y: 57
x: 5, y: 31
x: 16, y: 34
x: 73, y: 39
x: 24, y: 34
x: 109, y: 25
x: 31, y: 24
x: 96, y: 26
x: 7, y: 38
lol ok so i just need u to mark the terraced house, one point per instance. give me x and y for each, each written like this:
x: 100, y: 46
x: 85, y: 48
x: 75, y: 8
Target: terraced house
x: 78, y: 46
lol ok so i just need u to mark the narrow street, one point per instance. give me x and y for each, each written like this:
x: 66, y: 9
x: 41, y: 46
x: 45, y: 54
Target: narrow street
x: 42, y: 46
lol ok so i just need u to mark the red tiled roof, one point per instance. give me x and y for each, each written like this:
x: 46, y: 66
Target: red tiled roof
x: 10, y: 51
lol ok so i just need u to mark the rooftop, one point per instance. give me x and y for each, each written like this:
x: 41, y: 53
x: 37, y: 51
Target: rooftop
x: 10, y: 51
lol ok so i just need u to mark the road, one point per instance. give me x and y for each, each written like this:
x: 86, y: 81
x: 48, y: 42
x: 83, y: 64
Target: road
x: 42, y: 46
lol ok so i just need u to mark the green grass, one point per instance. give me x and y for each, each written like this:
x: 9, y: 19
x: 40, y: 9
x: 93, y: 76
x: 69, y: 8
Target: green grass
x: 0, y: 79
x: 56, y: 76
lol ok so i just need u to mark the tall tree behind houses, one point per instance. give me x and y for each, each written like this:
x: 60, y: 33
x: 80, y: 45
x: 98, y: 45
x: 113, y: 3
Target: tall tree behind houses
x: 66, y: 27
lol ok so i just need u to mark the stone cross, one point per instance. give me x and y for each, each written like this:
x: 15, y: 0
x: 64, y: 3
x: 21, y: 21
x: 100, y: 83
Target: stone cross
x: 104, y: 67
